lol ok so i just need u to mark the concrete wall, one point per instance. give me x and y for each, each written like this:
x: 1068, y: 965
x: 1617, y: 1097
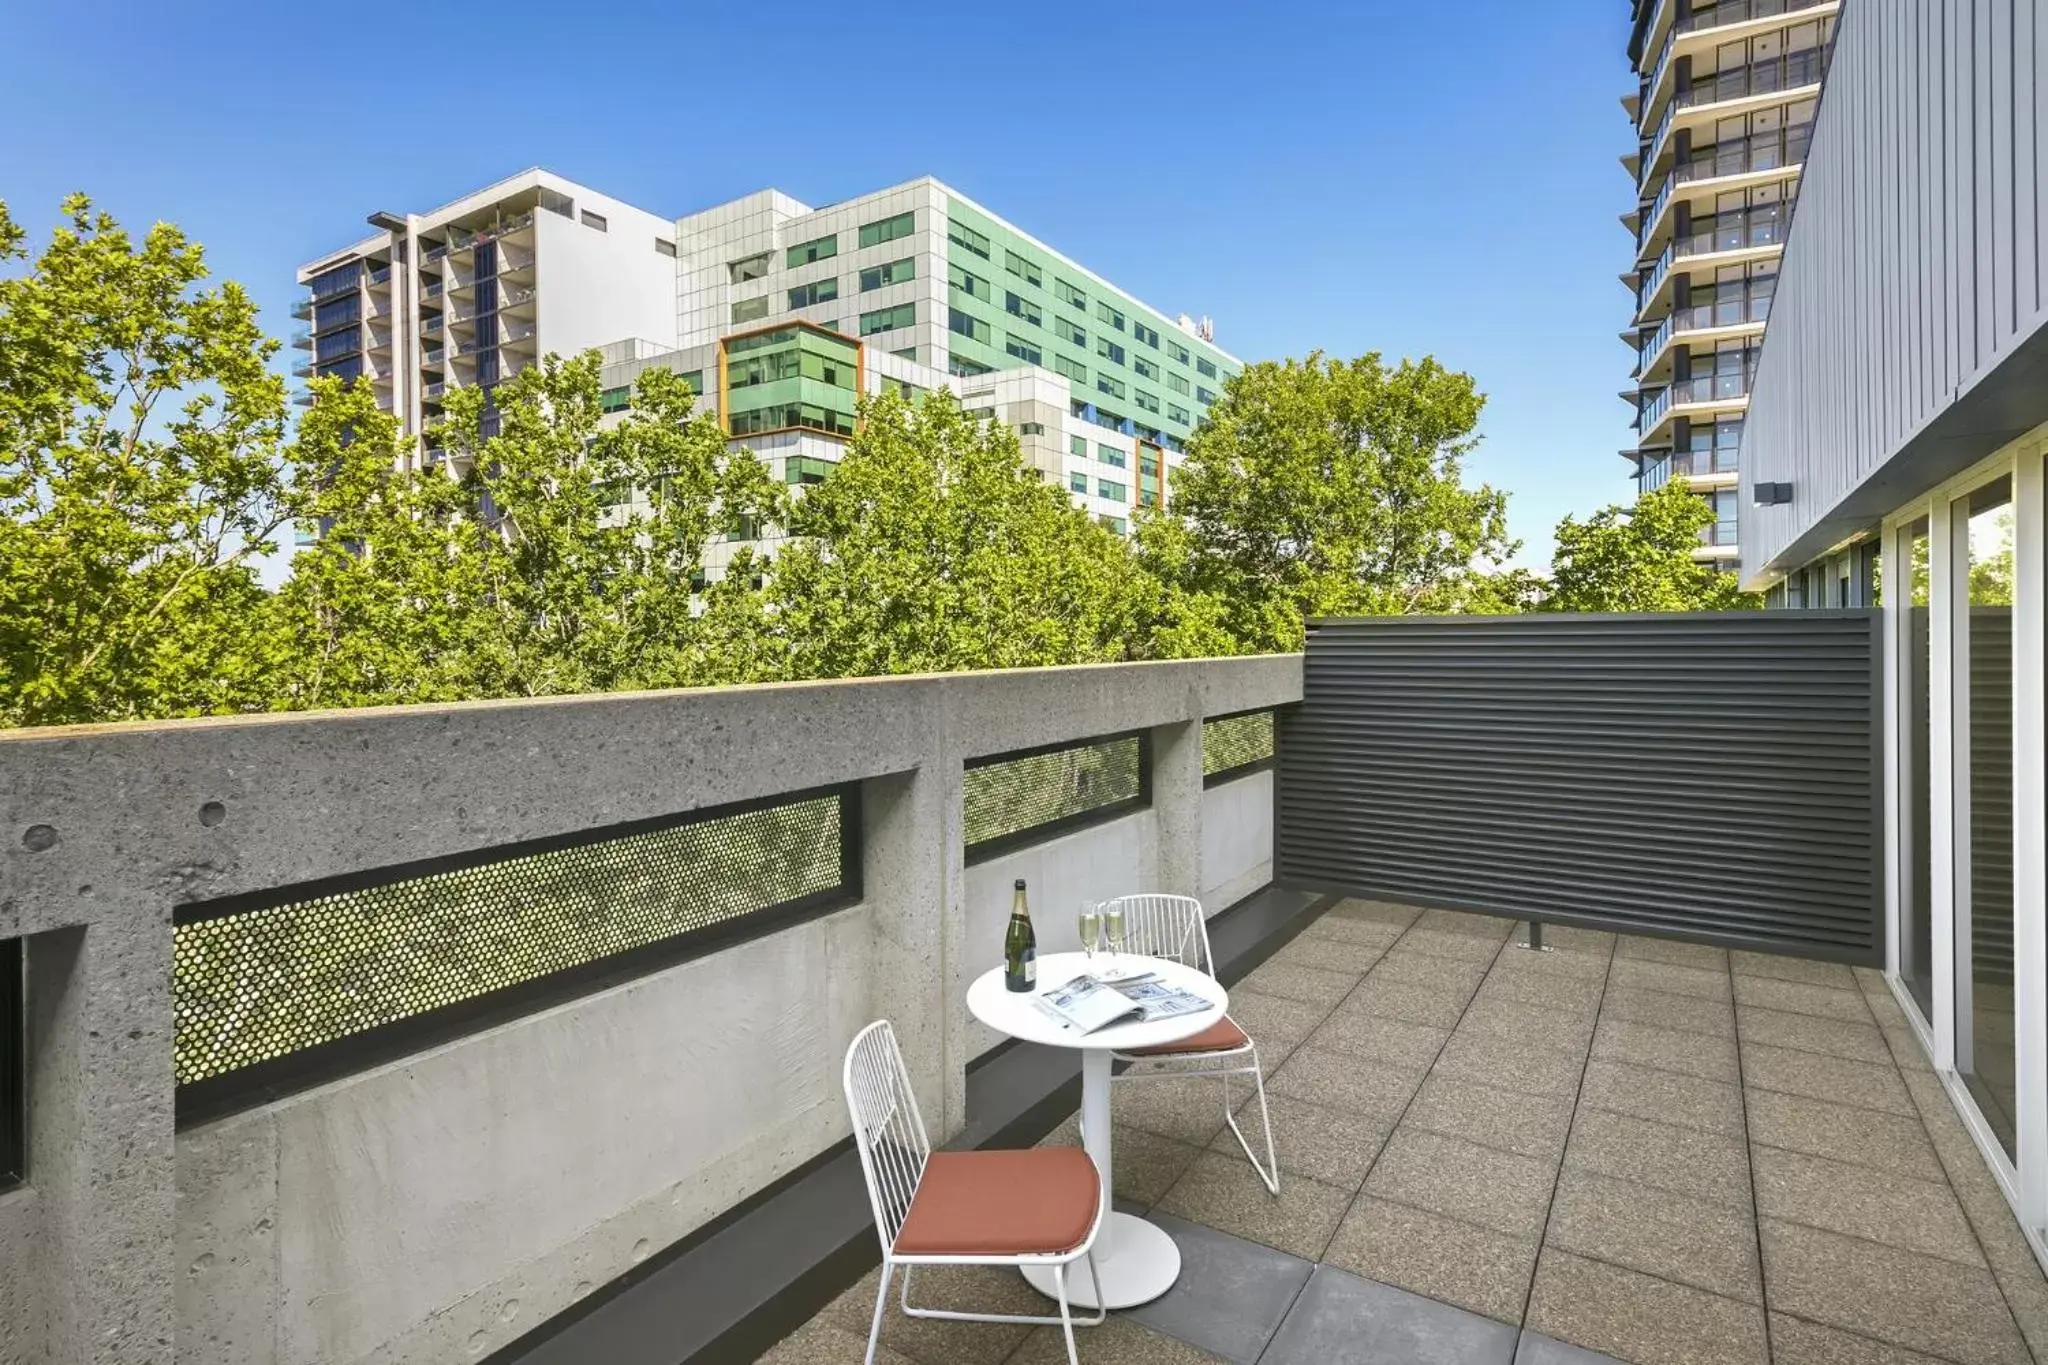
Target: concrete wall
x: 439, y: 1206
x: 1237, y: 839
x: 1909, y: 332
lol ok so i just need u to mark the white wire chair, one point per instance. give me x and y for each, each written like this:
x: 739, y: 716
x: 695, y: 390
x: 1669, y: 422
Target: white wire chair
x: 1174, y: 927
x: 1042, y: 1206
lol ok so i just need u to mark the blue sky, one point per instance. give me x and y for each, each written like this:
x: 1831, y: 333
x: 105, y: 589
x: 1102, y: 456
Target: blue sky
x: 1377, y: 175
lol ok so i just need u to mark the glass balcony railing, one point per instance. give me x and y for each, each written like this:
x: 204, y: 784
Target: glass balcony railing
x: 1736, y: 232
x: 430, y: 326
x: 435, y: 252
x: 511, y: 332
x: 1720, y: 16
x: 1718, y: 533
x: 302, y: 337
x: 1744, y: 156
x: 433, y: 355
x: 303, y: 367
x: 1789, y: 72
x: 433, y: 290
x: 381, y: 275
x: 435, y: 389
x: 512, y: 298
x: 303, y: 309
x: 1701, y: 317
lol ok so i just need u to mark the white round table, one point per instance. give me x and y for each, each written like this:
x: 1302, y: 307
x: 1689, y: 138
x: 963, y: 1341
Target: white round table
x: 1137, y: 1260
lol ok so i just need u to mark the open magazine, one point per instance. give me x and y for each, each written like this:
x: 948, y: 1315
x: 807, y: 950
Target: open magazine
x: 1088, y: 1003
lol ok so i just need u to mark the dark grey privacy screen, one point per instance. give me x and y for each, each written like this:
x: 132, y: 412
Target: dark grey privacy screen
x: 1712, y: 776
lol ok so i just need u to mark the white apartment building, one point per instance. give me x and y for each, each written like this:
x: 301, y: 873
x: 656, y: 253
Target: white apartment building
x: 478, y: 289
x: 782, y: 314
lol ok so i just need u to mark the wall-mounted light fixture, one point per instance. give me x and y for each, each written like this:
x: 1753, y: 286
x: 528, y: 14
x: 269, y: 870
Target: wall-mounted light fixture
x: 1771, y: 494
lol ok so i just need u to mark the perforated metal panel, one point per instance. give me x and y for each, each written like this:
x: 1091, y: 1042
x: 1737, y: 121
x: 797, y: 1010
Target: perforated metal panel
x: 265, y: 981
x: 1235, y: 745
x: 1018, y: 799
x: 1712, y: 776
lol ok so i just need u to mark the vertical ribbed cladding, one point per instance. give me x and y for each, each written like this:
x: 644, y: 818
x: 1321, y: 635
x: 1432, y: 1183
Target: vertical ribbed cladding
x: 1711, y: 776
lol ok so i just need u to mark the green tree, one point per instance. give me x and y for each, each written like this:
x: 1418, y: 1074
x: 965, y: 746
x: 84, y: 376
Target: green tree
x: 146, y: 465
x: 563, y: 560
x: 934, y: 547
x: 1325, y: 487
x: 1639, y: 558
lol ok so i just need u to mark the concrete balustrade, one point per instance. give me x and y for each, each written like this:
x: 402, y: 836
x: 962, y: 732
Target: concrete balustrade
x: 440, y: 1205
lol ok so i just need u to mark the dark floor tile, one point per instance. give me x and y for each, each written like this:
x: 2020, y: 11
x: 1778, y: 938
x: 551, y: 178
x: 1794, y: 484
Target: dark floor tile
x: 1704, y: 1243
x: 1231, y: 1294
x: 1639, y: 1317
x: 1446, y: 1259
x: 1919, y: 1302
x: 1341, y: 1319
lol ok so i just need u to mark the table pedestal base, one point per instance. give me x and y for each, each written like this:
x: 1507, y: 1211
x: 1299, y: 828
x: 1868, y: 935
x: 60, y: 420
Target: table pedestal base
x: 1137, y: 1261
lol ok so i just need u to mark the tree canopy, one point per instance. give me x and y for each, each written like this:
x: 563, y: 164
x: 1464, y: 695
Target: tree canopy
x: 1326, y: 487
x: 1639, y: 558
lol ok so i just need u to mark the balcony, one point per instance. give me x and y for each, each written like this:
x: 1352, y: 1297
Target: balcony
x: 1702, y: 29
x: 433, y: 289
x: 433, y: 355
x: 512, y: 332
x: 303, y: 310
x: 379, y: 276
x: 1696, y: 1097
x: 302, y: 338
x: 302, y: 368
x: 430, y: 325
x: 1714, y: 320
x: 435, y: 389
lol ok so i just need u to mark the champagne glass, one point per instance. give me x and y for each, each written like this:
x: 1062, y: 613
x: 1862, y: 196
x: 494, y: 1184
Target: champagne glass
x: 1089, y: 923
x: 1113, y: 928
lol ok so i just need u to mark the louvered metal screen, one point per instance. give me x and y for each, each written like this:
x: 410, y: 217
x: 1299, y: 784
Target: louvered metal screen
x: 1711, y: 776
x: 292, y: 986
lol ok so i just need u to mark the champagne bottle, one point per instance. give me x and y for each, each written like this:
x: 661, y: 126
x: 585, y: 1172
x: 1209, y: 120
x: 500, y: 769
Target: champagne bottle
x: 1020, y: 946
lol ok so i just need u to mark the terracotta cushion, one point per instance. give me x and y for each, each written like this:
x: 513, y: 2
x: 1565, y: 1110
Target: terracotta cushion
x: 1041, y: 1200
x: 1221, y: 1036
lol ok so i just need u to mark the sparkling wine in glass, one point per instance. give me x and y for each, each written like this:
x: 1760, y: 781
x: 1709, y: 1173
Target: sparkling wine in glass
x: 1113, y: 927
x: 1089, y: 923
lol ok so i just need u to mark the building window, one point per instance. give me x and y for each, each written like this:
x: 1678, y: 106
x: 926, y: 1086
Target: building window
x: 1110, y: 489
x: 817, y: 249
x: 1177, y: 382
x: 1072, y: 369
x: 1147, y: 369
x: 967, y: 325
x: 1078, y: 445
x: 887, y: 229
x: 1176, y: 413
x: 806, y: 470
x: 1145, y: 334
x: 817, y: 291
x: 961, y: 365
x: 1203, y: 395
x: 748, y: 268
x: 1105, y: 313
x: 750, y: 310
x: 888, y: 319
x: 1105, y: 347
x: 1148, y: 402
x: 1110, y: 455
x: 665, y: 247
x: 1077, y: 482
x: 962, y: 235
x: 1023, y: 350
x: 1031, y: 428
x: 1177, y: 351
x: 1070, y: 294
x: 1205, y: 368
x: 895, y: 272
x: 1115, y: 524
x: 907, y: 353
x: 616, y: 400
x: 1017, y: 306
x: 595, y: 220
x: 1071, y: 332
x: 973, y: 286
x: 1023, y: 267
x: 907, y: 392
x: 1113, y: 387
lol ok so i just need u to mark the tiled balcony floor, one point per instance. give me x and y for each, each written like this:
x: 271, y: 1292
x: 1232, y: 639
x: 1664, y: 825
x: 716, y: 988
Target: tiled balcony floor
x: 1660, y: 1152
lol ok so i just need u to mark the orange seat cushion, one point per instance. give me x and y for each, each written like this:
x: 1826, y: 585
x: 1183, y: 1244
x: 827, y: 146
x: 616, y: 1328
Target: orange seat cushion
x: 1038, y: 1201
x: 1221, y: 1036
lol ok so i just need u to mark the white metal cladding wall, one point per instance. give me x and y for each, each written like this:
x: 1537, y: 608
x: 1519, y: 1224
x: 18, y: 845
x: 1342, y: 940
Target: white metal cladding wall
x: 1711, y: 776
x: 1917, y: 265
